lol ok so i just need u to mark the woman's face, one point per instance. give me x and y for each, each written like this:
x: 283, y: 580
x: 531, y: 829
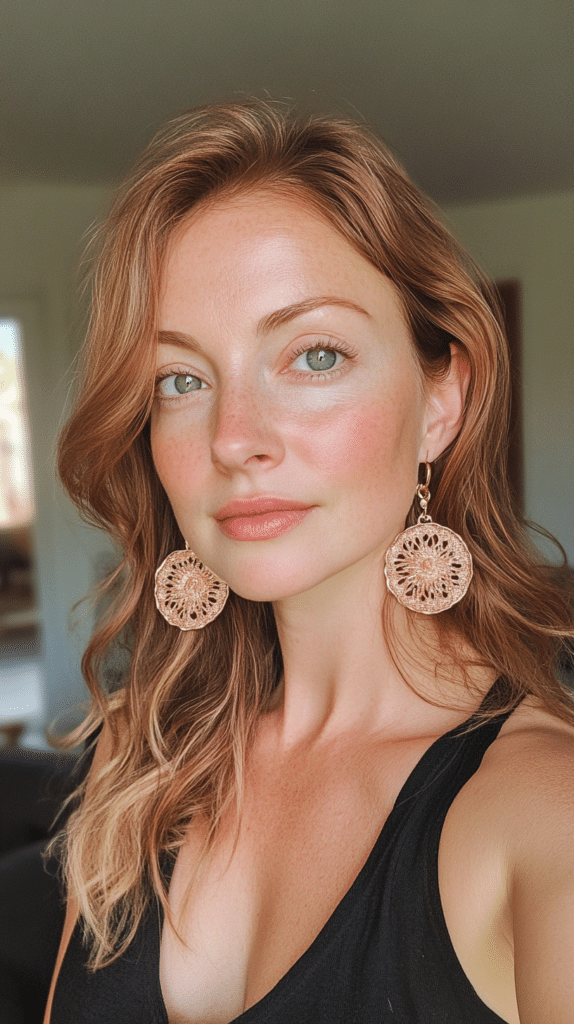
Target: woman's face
x: 342, y: 426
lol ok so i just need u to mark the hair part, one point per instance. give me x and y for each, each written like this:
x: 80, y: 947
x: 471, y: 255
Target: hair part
x: 187, y: 711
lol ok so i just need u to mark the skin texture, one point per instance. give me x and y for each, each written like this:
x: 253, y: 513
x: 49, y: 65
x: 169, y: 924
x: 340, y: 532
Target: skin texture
x: 345, y: 732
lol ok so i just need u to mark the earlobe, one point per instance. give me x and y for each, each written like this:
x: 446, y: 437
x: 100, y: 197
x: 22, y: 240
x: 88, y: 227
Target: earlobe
x: 446, y: 405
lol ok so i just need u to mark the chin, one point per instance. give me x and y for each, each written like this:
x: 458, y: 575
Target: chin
x: 277, y: 581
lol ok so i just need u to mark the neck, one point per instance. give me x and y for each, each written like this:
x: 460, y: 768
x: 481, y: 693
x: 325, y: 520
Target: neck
x: 344, y: 670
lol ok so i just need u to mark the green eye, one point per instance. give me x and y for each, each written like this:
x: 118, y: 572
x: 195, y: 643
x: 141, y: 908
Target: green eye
x: 175, y: 384
x: 183, y: 382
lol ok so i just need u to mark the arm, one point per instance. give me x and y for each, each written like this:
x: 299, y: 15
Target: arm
x: 543, y: 888
x: 101, y: 756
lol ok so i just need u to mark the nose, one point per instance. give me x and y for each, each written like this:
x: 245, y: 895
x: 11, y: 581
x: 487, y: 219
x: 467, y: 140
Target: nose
x: 244, y: 428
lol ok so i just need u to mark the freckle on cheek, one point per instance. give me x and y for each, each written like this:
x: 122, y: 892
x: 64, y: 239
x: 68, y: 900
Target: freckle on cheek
x: 353, y: 439
x: 173, y: 459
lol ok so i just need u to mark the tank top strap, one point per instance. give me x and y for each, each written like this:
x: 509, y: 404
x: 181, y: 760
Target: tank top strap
x: 433, y: 974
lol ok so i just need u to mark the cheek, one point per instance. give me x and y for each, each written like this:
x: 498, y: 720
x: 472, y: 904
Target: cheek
x: 365, y: 444
x: 175, y: 459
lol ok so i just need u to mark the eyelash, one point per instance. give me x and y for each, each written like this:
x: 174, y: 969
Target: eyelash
x: 340, y: 348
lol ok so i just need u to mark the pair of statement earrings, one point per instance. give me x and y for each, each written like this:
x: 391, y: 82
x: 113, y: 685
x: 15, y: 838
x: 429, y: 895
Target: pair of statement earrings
x: 428, y: 568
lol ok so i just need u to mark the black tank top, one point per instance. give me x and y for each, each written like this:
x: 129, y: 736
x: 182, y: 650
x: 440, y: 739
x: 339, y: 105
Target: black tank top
x: 383, y: 957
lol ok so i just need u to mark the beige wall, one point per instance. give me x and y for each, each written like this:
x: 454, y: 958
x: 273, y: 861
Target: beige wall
x: 533, y: 239
x: 41, y: 231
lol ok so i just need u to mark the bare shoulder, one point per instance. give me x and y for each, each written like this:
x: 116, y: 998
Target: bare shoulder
x: 506, y: 869
x: 534, y: 748
x: 525, y: 784
x: 528, y: 775
x: 529, y: 769
x: 522, y: 795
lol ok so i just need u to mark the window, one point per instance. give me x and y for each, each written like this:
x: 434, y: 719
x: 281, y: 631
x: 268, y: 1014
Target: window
x: 17, y: 511
x: 16, y: 497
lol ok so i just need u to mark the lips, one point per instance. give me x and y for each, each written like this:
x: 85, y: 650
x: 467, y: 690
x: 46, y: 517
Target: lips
x: 258, y: 506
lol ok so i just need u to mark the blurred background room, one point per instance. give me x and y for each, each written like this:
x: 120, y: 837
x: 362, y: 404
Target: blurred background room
x: 475, y: 98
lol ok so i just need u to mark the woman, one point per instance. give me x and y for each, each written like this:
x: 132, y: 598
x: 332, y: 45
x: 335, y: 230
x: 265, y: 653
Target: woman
x: 290, y: 363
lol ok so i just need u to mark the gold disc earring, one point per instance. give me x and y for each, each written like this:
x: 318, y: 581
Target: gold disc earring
x: 187, y: 593
x: 428, y: 567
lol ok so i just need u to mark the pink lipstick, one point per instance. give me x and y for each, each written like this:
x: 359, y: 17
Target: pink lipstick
x: 263, y: 526
x: 261, y: 516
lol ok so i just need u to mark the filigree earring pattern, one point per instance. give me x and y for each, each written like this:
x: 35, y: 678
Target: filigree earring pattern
x: 187, y: 593
x: 428, y: 567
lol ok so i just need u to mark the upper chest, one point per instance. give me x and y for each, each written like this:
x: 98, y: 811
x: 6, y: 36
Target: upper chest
x: 265, y: 892
x: 260, y: 901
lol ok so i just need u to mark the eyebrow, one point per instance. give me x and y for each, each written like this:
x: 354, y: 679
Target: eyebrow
x: 269, y: 322
x: 282, y: 316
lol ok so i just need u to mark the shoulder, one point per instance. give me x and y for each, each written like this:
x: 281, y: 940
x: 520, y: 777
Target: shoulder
x: 538, y: 751
x: 526, y: 779
x: 517, y: 810
x: 528, y: 793
x: 533, y: 764
x: 531, y: 760
x: 520, y: 801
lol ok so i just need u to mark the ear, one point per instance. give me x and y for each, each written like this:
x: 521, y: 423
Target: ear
x: 445, y: 407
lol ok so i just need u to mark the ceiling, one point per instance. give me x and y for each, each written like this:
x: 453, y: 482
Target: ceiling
x: 474, y: 96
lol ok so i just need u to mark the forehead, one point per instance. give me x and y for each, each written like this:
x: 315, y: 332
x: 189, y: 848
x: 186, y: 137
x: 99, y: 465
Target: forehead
x: 268, y: 248
x: 260, y: 207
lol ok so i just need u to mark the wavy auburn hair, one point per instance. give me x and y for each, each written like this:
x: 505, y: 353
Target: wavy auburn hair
x: 183, y: 717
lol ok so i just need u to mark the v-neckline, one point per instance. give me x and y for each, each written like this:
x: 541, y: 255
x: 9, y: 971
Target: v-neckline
x: 417, y: 777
